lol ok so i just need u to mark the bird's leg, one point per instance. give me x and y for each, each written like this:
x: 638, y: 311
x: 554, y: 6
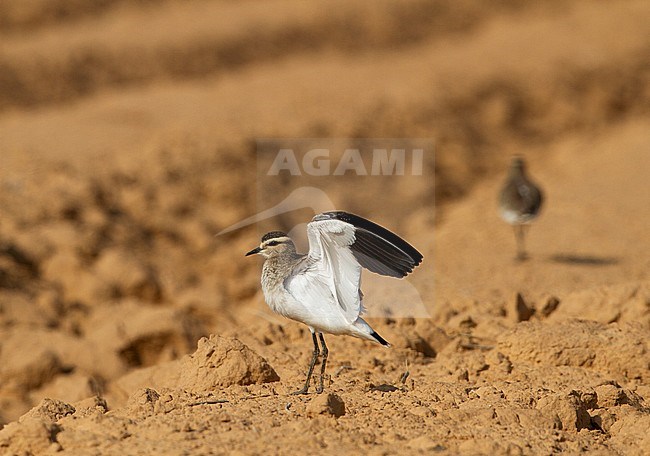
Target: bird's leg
x: 325, y: 352
x: 519, y: 236
x: 311, y: 366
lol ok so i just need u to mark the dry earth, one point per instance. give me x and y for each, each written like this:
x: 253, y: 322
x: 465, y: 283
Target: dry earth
x: 127, y: 141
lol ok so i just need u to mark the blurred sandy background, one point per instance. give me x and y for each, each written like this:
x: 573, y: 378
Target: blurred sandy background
x: 128, y: 136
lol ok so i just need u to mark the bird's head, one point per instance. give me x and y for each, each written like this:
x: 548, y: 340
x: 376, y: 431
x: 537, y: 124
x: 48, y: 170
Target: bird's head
x: 518, y: 163
x: 273, y: 244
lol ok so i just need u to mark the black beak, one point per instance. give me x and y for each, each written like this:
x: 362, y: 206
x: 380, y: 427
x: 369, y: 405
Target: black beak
x: 254, y: 251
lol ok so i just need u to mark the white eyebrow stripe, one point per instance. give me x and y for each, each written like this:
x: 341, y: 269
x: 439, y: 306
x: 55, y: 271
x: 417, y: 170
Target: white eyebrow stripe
x: 278, y: 239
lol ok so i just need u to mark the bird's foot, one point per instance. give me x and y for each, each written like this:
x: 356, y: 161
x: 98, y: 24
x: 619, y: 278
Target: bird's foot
x: 321, y: 385
x: 303, y: 390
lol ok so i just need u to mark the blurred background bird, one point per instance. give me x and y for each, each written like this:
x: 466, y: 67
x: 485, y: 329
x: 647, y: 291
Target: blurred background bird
x: 520, y: 201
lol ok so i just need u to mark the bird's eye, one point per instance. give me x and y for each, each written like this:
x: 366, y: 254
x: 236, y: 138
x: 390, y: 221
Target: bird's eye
x: 272, y: 243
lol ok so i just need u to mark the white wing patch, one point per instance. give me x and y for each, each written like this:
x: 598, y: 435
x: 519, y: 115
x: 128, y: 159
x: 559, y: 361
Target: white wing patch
x: 331, y: 276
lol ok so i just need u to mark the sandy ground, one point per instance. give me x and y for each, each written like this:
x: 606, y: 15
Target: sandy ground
x: 127, y: 141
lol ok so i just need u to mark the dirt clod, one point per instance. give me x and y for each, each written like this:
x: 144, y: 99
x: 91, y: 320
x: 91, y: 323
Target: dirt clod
x: 326, y: 404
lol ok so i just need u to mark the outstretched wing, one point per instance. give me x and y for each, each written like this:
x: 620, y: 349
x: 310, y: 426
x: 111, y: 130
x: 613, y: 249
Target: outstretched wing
x: 340, y: 244
x: 330, y: 276
x: 375, y: 248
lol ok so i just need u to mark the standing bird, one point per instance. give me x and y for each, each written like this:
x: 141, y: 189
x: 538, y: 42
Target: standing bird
x: 519, y: 202
x: 322, y: 289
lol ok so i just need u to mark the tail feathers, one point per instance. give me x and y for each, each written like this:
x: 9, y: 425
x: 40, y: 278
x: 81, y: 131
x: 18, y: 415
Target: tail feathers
x: 363, y: 330
x: 380, y: 339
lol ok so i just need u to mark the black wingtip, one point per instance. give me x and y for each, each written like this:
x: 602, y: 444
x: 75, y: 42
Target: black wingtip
x: 380, y: 339
x: 376, y: 248
x: 379, y: 230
